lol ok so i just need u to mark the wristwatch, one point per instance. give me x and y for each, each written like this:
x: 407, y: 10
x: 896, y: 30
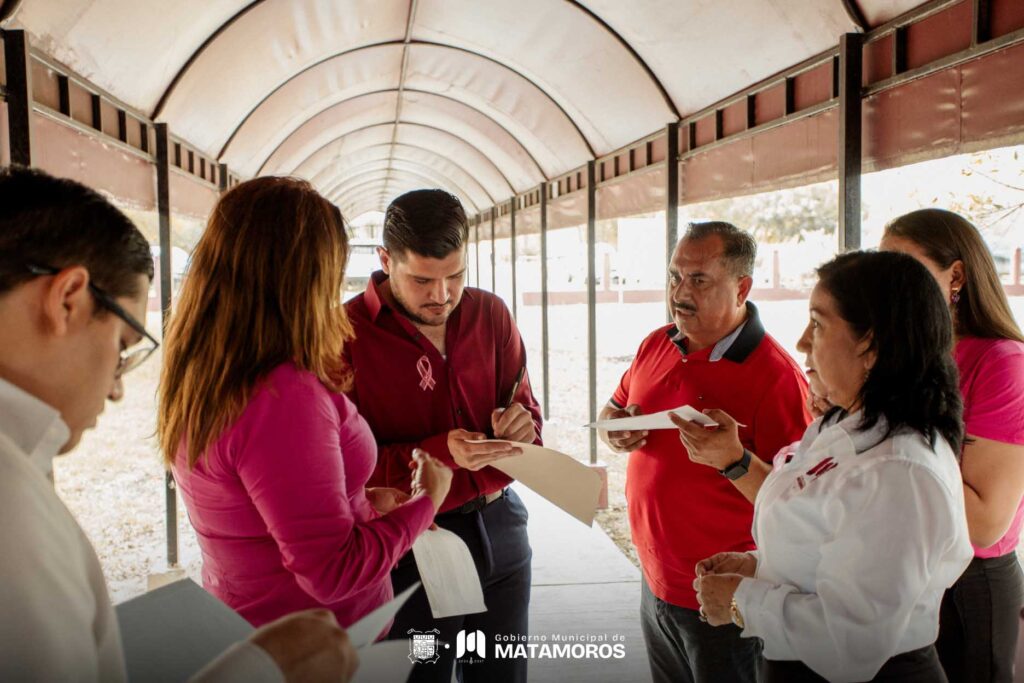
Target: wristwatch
x: 734, y: 613
x: 738, y: 468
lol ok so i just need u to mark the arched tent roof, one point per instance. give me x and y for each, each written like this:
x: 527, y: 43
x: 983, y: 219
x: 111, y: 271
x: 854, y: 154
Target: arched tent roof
x: 484, y: 97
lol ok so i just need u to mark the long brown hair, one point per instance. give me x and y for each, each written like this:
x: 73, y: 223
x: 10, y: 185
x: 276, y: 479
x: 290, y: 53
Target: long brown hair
x: 946, y: 237
x: 263, y: 288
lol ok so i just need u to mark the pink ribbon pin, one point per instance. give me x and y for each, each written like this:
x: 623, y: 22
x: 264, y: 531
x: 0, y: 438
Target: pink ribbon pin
x: 427, y: 380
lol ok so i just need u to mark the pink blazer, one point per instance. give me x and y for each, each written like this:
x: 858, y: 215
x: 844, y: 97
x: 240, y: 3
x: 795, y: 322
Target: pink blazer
x: 280, y: 512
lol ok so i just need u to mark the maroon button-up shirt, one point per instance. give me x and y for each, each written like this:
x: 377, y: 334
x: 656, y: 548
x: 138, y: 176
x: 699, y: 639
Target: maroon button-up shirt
x: 412, y: 397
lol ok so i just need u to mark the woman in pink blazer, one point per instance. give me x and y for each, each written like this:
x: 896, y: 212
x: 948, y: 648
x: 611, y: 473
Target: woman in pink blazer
x: 270, y: 457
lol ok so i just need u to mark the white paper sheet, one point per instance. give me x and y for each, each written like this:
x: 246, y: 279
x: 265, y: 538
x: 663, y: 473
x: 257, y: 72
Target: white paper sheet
x: 387, y: 661
x: 448, y: 573
x: 654, y: 420
x: 367, y: 629
x: 560, y: 478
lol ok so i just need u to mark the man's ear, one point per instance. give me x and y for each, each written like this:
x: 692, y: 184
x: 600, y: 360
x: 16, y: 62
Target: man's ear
x: 746, y: 284
x: 385, y: 260
x: 66, y: 301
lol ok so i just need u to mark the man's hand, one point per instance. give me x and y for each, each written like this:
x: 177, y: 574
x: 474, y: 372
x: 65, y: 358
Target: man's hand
x: 475, y: 456
x: 309, y: 647
x: 714, y: 593
x: 384, y: 499
x: 624, y: 441
x: 514, y: 423
x: 743, y: 564
x: 718, y: 446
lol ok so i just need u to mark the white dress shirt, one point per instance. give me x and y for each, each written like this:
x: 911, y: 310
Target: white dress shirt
x: 858, y: 538
x: 56, y: 619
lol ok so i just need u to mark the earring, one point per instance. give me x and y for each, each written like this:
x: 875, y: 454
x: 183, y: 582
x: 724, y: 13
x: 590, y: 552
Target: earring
x: 956, y: 296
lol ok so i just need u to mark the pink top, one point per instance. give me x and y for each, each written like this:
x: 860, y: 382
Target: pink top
x: 992, y: 384
x: 280, y: 511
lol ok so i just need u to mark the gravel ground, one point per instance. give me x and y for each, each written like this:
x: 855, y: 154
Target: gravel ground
x: 114, y: 481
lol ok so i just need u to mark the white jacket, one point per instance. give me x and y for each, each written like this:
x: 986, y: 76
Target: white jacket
x: 858, y: 538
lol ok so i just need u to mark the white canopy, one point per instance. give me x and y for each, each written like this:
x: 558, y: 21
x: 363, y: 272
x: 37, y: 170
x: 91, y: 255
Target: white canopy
x: 369, y: 98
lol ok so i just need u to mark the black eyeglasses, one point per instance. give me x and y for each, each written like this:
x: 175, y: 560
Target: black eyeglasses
x: 130, y: 358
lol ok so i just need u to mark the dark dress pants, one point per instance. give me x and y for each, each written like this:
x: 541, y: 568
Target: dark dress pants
x: 497, y: 538
x: 979, y: 621
x: 683, y: 649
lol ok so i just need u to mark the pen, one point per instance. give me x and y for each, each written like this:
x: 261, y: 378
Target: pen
x: 515, y: 387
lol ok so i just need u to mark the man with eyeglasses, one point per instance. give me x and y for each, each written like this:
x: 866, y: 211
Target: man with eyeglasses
x: 74, y: 282
x: 714, y: 354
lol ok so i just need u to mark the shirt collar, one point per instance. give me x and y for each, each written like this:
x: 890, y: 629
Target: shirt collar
x: 33, y: 426
x: 850, y: 427
x: 737, y: 345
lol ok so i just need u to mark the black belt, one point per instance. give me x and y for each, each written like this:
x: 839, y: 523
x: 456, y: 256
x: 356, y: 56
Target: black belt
x: 476, y: 504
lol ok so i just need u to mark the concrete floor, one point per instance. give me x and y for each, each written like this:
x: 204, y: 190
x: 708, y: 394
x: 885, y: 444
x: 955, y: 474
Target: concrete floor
x: 582, y: 584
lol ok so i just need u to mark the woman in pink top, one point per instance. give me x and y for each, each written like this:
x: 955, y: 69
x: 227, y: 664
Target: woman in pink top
x: 271, y: 459
x: 980, y: 613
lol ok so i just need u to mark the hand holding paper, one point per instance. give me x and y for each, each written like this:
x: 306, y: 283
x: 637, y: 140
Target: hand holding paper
x: 654, y: 420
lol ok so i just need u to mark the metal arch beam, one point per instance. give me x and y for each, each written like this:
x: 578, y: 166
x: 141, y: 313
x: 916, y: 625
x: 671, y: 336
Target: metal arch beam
x: 374, y: 195
x: 376, y: 187
x: 337, y: 182
x: 162, y: 102
x: 338, y: 191
x: 345, y: 187
x: 425, y: 171
x: 633, y: 53
x: 398, y: 43
x: 417, y: 125
x: 438, y: 181
x: 431, y: 152
x: 856, y: 15
x: 413, y: 90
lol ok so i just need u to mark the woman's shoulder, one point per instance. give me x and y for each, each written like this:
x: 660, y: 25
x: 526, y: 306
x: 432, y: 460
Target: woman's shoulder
x: 989, y: 352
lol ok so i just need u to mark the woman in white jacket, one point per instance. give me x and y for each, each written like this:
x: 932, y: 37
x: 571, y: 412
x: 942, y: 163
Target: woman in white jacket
x: 860, y: 526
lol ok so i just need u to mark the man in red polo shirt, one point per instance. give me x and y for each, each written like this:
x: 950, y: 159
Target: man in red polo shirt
x: 715, y: 354
x: 436, y: 366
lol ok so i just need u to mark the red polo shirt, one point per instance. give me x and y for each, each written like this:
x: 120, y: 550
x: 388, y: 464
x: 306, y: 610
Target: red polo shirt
x: 681, y: 512
x: 412, y: 397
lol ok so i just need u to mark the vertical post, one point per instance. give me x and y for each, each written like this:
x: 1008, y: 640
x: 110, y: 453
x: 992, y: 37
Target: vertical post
x: 476, y: 240
x: 19, y: 96
x: 1016, y: 266
x: 849, y: 152
x: 982, y: 16
x: 163, y: 207
x: 494, y: 280
x: 512, y: 244
x: 544, y: 350
x: 222, y: 177
x: 671, y: 198
x: 592, y: 303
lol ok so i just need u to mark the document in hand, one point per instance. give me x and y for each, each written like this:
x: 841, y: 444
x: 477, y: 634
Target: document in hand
x: 560, y: 478
x: 448, y: 573
x: 201, y: 627
x: 654, y: 420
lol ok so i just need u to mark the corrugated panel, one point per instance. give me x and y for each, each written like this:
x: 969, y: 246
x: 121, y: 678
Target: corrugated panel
x: 639, y: 193
x: 69, y: 153
x: 993, y: 96
x: 917, y: 120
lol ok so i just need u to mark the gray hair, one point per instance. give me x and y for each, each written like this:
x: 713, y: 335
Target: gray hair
x: 740, y: 249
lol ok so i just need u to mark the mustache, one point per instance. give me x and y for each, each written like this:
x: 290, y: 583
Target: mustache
x: 684, y: 307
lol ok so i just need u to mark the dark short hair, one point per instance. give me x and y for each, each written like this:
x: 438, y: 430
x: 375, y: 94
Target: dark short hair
x: 426, y: 222
x: 47, y: 221
x: 740, y: 249
x: 914, y: 382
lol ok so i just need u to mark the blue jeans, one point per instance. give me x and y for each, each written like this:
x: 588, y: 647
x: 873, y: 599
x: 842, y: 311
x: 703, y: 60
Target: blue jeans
x: 683, y: 649
x: 497, y: 539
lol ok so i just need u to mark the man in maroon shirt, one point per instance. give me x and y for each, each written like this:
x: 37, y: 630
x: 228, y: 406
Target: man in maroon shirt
x: 438, y: 365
